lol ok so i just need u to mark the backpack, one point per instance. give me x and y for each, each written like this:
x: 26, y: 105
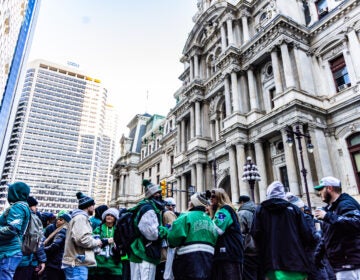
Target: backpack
x: 126, y: 230
x: 32, y: 235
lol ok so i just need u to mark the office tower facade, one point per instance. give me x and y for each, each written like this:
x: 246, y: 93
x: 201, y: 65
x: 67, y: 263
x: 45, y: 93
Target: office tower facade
x: 17, y: 22
x: 102, y: 191
x: 57, y: 137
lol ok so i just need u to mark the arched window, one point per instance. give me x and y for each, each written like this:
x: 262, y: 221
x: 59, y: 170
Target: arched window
x: 354, y: 149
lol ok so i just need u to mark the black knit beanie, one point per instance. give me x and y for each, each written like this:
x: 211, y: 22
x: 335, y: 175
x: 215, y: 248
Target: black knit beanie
x: 32, y: 201
x: 84, y: 201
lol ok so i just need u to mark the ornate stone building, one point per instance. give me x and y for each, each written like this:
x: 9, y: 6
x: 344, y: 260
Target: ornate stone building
x: 253, y: 70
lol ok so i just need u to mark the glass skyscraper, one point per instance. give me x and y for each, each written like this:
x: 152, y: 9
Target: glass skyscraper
x: 57, y: 143
x: 18, y: 19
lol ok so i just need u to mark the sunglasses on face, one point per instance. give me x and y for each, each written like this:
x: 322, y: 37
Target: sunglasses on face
x: 213, y: 196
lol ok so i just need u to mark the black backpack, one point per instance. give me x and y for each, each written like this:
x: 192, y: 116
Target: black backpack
x: 125, y: 230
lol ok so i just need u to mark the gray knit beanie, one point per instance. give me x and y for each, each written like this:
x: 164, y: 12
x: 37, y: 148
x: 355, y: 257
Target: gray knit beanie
x: 111, y: 211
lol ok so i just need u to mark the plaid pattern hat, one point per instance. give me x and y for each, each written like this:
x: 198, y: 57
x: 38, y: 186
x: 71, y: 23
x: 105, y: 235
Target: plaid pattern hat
x: 328, y: 182
x: 150, y: 188
x: 293, y: 199
x: 197, y: 199
x: 84, y: 201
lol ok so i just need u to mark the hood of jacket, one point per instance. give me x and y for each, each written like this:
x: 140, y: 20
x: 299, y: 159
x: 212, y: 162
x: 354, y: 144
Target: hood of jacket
x: 100, y: 210
x: 77, y: 212
x: 250, y: 206
x: 18, y: 191
x: 275, y: 204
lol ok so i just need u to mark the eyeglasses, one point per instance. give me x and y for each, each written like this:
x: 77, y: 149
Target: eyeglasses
x: 213, y: 196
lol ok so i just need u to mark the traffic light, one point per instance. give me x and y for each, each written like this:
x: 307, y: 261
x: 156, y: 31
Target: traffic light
x: 163, y: 187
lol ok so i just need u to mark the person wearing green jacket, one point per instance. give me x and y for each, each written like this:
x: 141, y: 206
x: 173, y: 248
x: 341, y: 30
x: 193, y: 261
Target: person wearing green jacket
x: 195, y: 235
x: 145, y: 251
x: 107, y: 267
x: 13, y: 223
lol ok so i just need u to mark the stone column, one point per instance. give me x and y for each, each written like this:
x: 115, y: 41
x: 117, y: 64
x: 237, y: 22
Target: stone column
x: 182, y: 135
x: 204, y: 119
x: 354, y: 48
x: 192, y: 121
x: 235, y: 93
x: 240, y: 161
x: 191, y: 69
x: 230, y: 31
x: 122, y: 184
x: 291, y: 170
x: 223, y: 37
x: 178, y: 194
x: 319, y: 81
x: 245, y: 27
x: 245, y: 102
x: 178, y: 126
x: 233, y: 174
x: 217, y: 129
x: 197, y: 119
x: 184, y: 202
x: 196, y: 66
x: 114, y: 190
x: 276, y: 71
x: 238, y: 33
x: 252, y: 90
x: 289, y: 76
x: 261, y: 164
x: 200, y: 177
x: 227, y: 96
x: 321, y: 153
x: 193, y: 175
x: 212, y: 130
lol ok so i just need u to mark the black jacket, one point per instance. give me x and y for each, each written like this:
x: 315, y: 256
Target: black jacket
x: 341, y: 233
x: 281, y: 234
x: 55, y: 249
x: 231, y: 240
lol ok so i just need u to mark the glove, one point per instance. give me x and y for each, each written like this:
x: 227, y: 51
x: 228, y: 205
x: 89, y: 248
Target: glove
x: 104, y: 242
x: 163, y: 232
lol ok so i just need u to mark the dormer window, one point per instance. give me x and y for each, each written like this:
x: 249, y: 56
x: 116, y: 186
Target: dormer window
x: 322, y: 8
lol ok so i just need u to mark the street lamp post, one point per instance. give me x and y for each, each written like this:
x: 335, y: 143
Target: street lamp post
x: 251, y: 175
x: 291, y: 134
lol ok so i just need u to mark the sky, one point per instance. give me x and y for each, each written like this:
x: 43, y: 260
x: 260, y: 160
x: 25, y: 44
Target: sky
x: 133, y: 47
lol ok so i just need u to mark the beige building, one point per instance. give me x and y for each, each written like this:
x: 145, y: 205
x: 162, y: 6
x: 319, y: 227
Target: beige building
x: 255, y: 70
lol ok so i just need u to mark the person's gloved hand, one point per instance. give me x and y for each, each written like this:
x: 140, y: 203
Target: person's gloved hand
x: 104, y: 242
x: 163, y: 232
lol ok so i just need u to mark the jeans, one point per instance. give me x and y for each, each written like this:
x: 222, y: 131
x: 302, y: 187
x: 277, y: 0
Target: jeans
x: 76, y: 273
x: 8, y: 266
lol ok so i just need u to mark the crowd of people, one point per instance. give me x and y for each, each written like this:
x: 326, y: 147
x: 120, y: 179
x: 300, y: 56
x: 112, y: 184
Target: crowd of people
x: 281, y: 238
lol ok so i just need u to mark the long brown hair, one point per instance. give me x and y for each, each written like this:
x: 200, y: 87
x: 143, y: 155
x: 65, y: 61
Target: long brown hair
x: 222, y: 198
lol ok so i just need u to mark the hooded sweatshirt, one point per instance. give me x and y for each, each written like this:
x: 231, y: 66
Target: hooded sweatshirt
x: 14, y: 220
x: 280, y: 231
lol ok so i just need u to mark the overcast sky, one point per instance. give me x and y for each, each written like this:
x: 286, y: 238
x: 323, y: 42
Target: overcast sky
x: 132, y: 46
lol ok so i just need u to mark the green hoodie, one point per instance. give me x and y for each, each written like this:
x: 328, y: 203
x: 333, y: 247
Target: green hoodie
x: 14, y: 220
